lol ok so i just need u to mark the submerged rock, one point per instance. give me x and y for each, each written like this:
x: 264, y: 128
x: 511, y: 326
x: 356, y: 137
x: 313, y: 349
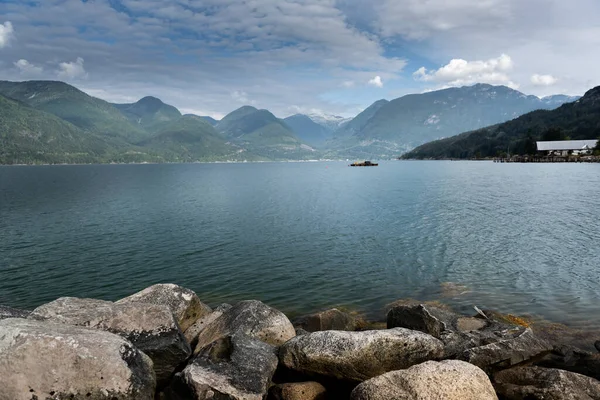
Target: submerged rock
x: 44, y: 360
x: 151, y: 328
x: 184, y: 303
x: 597, y: 345
x: 235, y: 367
x: 9, y: 312
x: 252, y: 318
x: 298, y: 391
x: 356, y: 356
x: 535, y: 383
x: 448, y: 380
x: 460, y: 334
x: 191, y: 334
x: 333, y: 319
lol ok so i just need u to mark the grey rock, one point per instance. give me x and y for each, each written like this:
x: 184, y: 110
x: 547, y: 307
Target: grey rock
x: 536, y: 383
x: 298, y: 391
x: 521, y: 347
x: 572, y: 359
x: 252, y: 318
x: 459, y: 333
x: 191, y: 334
x: 9, y: 312
x: 235, y: 367
x: 184, y: 303
x: 151, y: 328
x: 357, y: 356
x: 44, y: 360
x: 597, y: 345
x: 333, y: 319
x: 300, y: 331
x: 448, y: 380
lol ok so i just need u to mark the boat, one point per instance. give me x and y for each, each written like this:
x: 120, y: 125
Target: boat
x: 363, y: 164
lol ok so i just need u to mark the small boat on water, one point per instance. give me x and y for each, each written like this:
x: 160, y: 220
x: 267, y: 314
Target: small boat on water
x: 363, y: 164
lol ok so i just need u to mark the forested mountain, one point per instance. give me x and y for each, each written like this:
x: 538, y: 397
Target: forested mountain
x: 148, y: 111
x: 308, y: 130
x: 388, y: 128
x: 577, y: 120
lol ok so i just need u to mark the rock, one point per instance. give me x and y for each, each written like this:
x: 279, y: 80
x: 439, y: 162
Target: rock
x: 520, y: 347
x: 184, y: 303
x: 252, y: 318
x: 151, y: 328
x: 191, y: 334
x: 534, y: 383
x: 44, y: 360
x: 459, y: 333
x: 572, y: 359
x: 597, y: 345
x: 356, y: 356
x: 298, y: 391
x: 333, y: 319
x: 448, y: 380
x: 9, y: 312
x: 300, y: 331
x: 235, y: 367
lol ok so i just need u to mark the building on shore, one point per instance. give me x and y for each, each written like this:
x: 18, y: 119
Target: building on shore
x: 567, y: 147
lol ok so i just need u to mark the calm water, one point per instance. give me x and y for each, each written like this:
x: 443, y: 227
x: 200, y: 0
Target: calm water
x: 522, y: 238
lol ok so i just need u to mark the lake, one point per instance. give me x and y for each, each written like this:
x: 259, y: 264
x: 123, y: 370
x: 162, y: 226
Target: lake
x: 518, y: 238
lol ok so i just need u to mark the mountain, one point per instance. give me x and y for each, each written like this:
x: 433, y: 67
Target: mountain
x: 332, y: 122
x: 30, y: 136
x: 148, y: 111
x: 558, y: 100
x: 307, y: 130
x: 191, y: 138
x: 577, y: 120
x: 358, y: 123
x: 73, y: 105
x: 210, y: 120
x: 261, y: 133
x: 409, y: 121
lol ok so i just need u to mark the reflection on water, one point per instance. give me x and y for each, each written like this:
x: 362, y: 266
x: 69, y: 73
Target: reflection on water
x: 301, y: 236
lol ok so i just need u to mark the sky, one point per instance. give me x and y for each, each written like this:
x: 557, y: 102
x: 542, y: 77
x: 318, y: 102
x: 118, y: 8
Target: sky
x: 209, y: 57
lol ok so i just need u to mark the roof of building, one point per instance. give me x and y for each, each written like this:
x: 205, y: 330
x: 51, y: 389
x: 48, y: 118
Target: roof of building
x: 567, y: 145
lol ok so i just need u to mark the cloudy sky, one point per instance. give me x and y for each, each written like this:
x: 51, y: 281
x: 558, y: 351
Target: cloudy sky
x: 335, y: 56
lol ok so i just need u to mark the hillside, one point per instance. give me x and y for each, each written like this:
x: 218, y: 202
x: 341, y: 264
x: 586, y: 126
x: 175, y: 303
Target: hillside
x: 73, y: 105
x: 210, y: 120
x: 307, y: 130
x: 148, y: 111
x: 358, y: 123
x: 261, y: 133
x: 404, y: 123
x: 30, y: 136
x: 577, y: 120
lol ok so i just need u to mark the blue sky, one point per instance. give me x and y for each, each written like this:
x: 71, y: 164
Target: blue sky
x: 210, y: 57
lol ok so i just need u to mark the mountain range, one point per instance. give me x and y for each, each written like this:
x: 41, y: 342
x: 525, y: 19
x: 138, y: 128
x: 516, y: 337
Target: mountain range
x: 575, y: 120
x: 53, y: 122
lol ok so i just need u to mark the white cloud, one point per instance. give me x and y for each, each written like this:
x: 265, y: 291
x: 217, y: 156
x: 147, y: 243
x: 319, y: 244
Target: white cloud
x: 377, y: 82
x: 460, y: 72
x: 543, y: 80
x: 28, y: 69
x: 348, y: 84
x: 72, y: 70
x: 240, y: 96
x: 7, y: 34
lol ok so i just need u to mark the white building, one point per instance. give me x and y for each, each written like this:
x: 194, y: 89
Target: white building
x: 566, y: 147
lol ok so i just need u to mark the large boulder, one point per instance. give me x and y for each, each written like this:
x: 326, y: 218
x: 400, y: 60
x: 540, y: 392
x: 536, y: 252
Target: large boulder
x: 357, y: 356
x: 469, y: 338
x: 536, y: 383
x: 191, y: 333
x: 235, y: 367
x: 151, y: 328
x: 328, y: 320
x: 298, y: 391
x: 572, y: 359
x: 184, y: 303
x: 448, y: 380
x: 9, y: 312
x: 43, y: 360
x: 252, y: 318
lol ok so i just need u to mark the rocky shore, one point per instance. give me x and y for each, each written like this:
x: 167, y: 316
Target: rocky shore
x: 164, y: 343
